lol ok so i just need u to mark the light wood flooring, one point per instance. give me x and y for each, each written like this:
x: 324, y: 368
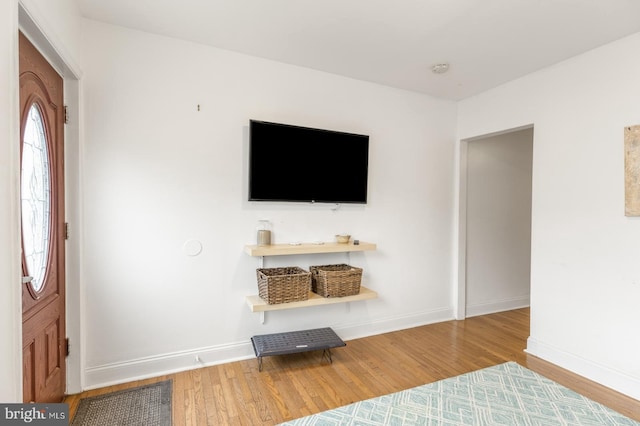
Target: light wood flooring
x: 293, y: 386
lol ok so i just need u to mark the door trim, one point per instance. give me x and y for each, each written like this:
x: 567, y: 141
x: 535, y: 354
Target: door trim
x: 460, y: 282
x: 35, y: 26
x: 11, y: 296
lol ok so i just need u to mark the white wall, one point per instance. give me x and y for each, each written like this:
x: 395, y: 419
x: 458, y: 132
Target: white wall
x: 585, y: 280
x: 158, y: 172
x: 54, y: 28
x: 498, y: 256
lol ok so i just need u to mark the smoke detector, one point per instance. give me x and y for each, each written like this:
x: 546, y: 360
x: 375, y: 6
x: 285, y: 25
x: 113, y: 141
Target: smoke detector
x: 440, y: 68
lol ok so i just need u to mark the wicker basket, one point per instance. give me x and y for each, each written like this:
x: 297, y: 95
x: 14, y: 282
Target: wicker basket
x: 283, y: 285
x: 335, y: 280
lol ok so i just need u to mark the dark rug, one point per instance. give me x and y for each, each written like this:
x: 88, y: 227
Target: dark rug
x: 148, y: 405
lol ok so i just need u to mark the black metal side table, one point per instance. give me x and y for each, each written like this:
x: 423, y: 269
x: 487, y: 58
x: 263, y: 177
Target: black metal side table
x: 296, y: 341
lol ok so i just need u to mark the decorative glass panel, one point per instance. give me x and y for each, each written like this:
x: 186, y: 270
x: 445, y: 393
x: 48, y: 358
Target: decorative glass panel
x: 36, y: 198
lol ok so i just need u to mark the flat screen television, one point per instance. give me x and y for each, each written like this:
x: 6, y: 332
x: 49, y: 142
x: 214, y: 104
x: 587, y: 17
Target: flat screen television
x: 302, y: 164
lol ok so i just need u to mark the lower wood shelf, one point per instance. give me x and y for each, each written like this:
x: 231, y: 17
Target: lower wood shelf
x: 256, y: 304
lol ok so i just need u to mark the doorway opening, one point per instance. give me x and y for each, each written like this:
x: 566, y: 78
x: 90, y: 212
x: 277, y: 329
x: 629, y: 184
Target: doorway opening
x: 495, y: 222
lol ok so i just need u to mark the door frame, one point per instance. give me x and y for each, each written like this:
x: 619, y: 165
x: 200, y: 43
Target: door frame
x: 460, y: 284
x: 33, y: 24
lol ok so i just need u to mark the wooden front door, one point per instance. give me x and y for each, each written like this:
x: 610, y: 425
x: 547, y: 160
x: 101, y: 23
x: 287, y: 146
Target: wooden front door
x: 42, y: 222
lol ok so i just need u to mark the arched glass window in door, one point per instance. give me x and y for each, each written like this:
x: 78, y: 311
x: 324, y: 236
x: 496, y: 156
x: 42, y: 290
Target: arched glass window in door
x: 36, y: 198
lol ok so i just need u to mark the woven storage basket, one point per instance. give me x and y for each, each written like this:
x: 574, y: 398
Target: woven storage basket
x: 283, y: 285
x: 335, y: 280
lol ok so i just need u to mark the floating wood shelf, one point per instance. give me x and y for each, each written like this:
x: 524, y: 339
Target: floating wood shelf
x: 306, y: 248
x: 256, y: 304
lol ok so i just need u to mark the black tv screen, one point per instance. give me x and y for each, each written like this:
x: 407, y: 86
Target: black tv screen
x: 302, y: 164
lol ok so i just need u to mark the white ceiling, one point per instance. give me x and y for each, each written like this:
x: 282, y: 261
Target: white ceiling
x: 395, y: 43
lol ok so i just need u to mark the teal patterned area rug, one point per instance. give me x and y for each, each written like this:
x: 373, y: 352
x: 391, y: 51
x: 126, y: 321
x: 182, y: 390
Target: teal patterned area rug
x: 506, y: 394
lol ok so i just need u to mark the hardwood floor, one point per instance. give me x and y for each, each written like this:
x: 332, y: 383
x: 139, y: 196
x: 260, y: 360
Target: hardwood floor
x: 297, y: 385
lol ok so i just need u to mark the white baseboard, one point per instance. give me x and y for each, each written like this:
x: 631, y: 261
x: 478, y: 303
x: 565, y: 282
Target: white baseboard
x: 143, y: 368
x: 497, y: 306
x: 396, y: 323
x: 598, y: 373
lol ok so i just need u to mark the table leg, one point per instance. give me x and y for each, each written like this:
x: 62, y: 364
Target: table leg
x: 327, y: 353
